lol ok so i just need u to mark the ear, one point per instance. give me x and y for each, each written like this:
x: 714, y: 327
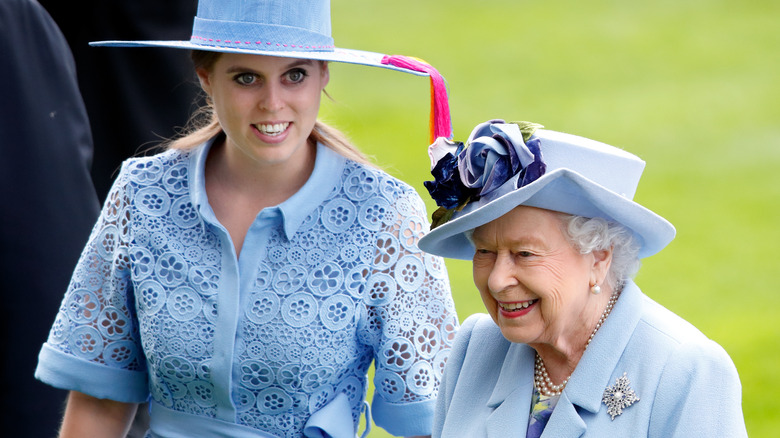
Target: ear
x: 602, y: 260
x: 325, y: 72
x: 204, y: 79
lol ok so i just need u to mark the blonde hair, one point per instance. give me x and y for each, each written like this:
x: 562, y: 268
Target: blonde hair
x: 204, y: 124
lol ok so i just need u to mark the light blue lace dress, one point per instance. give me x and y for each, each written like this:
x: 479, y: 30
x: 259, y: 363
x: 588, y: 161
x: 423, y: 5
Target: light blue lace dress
x: 276, y: 342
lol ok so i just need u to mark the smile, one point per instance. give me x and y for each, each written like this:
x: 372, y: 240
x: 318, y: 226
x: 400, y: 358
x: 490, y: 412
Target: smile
x: 272, y: 129
x: 513, y: 307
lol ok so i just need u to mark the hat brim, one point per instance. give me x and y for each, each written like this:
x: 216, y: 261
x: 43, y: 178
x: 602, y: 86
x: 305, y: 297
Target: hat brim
x: 560, y: 190
x: 349, y: 56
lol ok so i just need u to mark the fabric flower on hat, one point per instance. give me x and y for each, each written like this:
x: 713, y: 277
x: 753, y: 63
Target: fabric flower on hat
x: 446, y: 188
x: 495, y: 152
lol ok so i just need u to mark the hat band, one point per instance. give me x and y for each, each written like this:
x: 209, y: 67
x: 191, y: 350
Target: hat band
x: 260, y: 37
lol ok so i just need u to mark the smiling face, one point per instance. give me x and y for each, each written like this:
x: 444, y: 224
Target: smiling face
x: 534, y: 283
x: 266, y: 105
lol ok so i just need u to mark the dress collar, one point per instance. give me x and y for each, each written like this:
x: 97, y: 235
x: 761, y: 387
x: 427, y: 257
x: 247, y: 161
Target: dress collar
x: 328, y: 167
x: 326, y: 176
x: 196, y: 169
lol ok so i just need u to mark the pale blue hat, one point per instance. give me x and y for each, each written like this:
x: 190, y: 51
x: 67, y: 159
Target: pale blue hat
x: 285, y: 28
x: 505, y: 165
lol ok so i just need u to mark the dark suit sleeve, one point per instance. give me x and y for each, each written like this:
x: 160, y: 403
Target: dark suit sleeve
x: 135, y: 97
x: 47, y: 203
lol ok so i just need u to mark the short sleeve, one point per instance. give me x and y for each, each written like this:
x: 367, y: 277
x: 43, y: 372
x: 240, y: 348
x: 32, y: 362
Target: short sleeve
x: 94, y: 346
x: 410, y: 304
x: 699, y: 395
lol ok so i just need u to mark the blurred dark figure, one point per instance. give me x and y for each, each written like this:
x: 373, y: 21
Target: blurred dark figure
x: 47, y: 205
x: 134, y: 98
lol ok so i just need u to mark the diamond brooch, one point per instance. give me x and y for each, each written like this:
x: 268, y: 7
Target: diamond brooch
x: 619, y: 396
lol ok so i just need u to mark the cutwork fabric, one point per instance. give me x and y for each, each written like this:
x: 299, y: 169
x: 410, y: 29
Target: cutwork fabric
x: 326, y: 282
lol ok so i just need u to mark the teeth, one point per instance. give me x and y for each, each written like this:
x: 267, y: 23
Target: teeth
x: 275, y: 129
x: 515, y: 306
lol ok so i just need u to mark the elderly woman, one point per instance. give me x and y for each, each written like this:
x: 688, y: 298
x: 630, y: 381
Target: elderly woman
x: 571, y: 346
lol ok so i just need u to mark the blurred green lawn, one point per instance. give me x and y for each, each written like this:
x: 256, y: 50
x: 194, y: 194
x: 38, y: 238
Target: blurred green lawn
x: 690, y: 86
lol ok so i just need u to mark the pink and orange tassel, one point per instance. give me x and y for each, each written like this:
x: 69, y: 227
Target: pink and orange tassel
x: 440, y: 122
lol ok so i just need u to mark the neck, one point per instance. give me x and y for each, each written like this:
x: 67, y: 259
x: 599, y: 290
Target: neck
x: 260, y: 184
x: 238, y: 189
x: 560, y: 358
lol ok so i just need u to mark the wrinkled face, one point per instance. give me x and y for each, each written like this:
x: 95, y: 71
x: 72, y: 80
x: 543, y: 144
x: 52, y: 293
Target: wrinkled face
x: 266, y: 105
x: 534, y: 283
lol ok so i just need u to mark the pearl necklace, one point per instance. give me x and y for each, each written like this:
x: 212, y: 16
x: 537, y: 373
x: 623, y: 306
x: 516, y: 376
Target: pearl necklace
x: 542, y: 381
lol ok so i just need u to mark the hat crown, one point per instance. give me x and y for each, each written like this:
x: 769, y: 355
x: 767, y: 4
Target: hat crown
x: 299, y: 29
x: 269, y: 25
x: 613, y: 168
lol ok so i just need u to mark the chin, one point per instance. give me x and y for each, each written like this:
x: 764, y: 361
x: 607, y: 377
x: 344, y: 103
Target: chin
x: 515, y: 335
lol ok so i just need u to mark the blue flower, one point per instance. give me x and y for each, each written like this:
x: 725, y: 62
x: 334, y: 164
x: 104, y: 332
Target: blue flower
x: 533, y: 171
x: 446, y: 188
x: 495, y: 152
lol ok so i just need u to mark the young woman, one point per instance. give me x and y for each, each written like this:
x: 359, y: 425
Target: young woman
x: 244, y: 280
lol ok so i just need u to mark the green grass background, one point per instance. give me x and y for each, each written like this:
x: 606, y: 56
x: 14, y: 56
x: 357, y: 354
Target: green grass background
x: 691, y: 86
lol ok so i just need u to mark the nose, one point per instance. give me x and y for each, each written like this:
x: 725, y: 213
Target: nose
x: 272, y: 98
x: 502, y: 276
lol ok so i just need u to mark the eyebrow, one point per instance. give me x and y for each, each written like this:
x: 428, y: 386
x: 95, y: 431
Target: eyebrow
x: 293, y: 64
x: 527, y: 240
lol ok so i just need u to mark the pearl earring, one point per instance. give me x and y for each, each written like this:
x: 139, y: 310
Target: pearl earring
x: 595, y: 289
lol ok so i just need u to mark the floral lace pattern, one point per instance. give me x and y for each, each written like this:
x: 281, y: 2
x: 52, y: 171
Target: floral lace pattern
x: 348, y: 287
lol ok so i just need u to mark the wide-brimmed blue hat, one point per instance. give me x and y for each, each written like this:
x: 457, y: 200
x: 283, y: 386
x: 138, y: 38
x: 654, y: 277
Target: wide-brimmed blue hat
x: 291, y: 29
x: 505, y: 165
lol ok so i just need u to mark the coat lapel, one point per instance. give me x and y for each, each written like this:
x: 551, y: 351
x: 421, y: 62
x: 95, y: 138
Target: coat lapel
x: 582, y: 396
x: 593, y: 373
x: 565, y: 421
x: 511, y: 397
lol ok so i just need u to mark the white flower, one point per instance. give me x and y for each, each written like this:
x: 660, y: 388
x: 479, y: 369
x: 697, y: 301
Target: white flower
x: 440, y: 148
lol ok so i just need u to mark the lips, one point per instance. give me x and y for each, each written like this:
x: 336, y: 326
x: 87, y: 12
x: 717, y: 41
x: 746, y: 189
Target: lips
x: 516, y: 309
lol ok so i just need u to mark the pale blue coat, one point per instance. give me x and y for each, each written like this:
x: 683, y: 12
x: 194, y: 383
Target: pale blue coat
x: 687, y: 384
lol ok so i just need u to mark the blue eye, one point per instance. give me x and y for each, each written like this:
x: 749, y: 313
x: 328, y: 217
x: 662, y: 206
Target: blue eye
x: 245, y: 79
x: 296, y: 75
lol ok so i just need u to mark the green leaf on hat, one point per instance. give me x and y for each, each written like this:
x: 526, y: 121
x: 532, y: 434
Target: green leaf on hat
x: 528, y: 128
